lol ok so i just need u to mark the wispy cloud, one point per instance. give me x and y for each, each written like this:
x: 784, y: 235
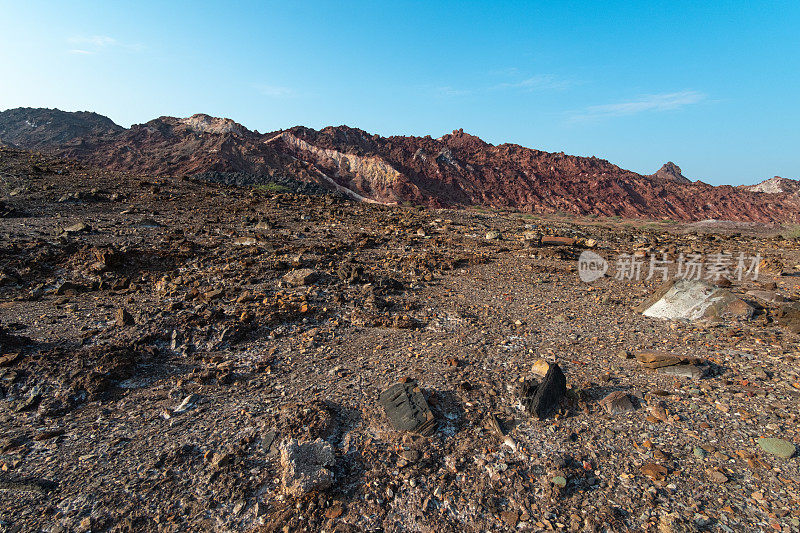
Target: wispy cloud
x: 644, y: 104
x: 541, y: 82
x: 276, y: 91
x: 94, y: 44
x: 99, y: 41
x: 452, y: 91
x: 536, y: 83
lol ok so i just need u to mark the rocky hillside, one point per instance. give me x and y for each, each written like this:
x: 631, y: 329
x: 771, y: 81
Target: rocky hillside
x: 457, y: 169
x: 776, y: 185
x: 36, y: 129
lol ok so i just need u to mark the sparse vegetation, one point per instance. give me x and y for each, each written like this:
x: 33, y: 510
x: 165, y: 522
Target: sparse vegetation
x: 792, y: 232
x: 271, y: 187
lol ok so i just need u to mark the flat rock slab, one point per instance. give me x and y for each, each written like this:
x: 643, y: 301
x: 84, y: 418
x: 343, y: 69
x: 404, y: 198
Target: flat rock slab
x: 682, y: 371
x: 541, y: 398
x: 779, y: 447
x: 407, y: 409
x: 657, y: 358
x: 694, y: 300
x: 552, y: 240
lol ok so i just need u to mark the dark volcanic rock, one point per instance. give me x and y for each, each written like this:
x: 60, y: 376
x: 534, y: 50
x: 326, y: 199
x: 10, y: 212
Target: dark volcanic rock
x: 540, y: 399
x: 407, y: 409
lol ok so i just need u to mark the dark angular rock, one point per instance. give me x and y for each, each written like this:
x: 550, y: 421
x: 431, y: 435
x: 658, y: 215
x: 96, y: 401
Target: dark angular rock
x: 539, y: 399
x: 407, y: 409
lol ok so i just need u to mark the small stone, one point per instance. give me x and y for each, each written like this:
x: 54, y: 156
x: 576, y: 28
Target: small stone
x: 123, y: 317
x: 617, y: 402
x: 716, y: 476
x: 682, y: 371
x: 335, y: 510
x: 654, y: 471
x: 699, y: 452
x: 77, y: 228
x: 779, y: 447
x: 240, y: 505
x: 300, y: 277
x: 492, y: 235
x: 560, y: 481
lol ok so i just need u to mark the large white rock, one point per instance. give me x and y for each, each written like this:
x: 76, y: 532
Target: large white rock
x: 694, y: 300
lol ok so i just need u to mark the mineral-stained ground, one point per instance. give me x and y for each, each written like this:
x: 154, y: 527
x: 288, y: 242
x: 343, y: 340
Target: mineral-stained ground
x: 180, y: 355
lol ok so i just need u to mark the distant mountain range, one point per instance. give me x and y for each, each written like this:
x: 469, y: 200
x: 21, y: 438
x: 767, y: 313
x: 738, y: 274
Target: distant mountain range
x: 457, y: 169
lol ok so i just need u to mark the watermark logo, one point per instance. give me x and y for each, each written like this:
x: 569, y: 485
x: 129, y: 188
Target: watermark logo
x: 591, y: 266
x: 632, y: 267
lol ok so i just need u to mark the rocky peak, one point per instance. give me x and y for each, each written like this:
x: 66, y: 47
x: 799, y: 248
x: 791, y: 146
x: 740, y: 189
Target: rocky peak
x: 671, y: 172
x: 459, y: 139
x: 202, y: 123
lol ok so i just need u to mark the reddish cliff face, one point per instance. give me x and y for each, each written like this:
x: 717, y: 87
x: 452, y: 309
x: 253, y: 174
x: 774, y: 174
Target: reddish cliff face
x: 457, y: 169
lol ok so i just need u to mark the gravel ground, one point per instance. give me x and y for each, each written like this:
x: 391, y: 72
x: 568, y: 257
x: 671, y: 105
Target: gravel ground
x: 157, y: 359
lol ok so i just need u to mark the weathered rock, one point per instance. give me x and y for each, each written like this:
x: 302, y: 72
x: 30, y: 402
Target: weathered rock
x: 654, y: 471
x: 716, y: 476
x: 123, y: 318
x: 69, y: 287
x: 779, y: 447
x: 789, y: 317
x: 657, y: 358
x: 306, y: 466
x: 767, y: 296
x: 617, y: 402
x: 694, y: 300
x: 407, y: 409
x: 79, y: 227
x: 553, y: 240
x: 541, y: 398
x: 300, y: 277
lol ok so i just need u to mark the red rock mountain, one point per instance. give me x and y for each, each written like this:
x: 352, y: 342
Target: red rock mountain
x: 457, y: 169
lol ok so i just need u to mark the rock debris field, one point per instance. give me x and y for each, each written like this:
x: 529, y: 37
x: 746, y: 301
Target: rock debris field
x: 178, y: 355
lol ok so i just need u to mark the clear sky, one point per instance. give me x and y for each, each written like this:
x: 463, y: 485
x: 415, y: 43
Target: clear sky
x: 713, y: 86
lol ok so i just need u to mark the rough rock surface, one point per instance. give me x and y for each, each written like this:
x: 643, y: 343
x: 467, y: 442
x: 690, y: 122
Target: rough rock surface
x: 306, y: 466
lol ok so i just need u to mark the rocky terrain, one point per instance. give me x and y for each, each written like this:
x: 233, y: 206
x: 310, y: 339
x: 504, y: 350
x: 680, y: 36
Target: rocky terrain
x: 455, y: 170
x: 37, y: 129
x: 776, y: 185
x: 179, y: 354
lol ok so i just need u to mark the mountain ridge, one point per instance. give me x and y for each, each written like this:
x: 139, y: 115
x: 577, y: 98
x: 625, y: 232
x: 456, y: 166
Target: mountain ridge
x: 456, y: 169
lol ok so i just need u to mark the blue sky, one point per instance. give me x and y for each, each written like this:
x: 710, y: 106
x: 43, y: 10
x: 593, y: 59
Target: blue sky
x: 712, y: 86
